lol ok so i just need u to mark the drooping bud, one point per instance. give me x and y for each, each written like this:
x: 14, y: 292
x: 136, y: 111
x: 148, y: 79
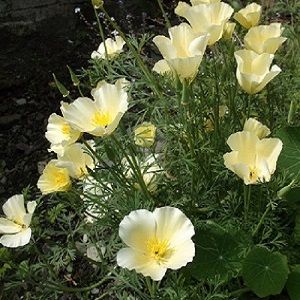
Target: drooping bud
x: 74, y: 77
x: 61, y: 87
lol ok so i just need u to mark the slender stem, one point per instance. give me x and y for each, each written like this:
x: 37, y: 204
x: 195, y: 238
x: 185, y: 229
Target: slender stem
x: 261, y: 221
x: 247, y: 195
x: 101, y: 32
x: 168, y: 24
x: 144, y: 68
x: 63, y: 288
x: 134, y: 166
x: 79, y: 90
x: 151, y: 287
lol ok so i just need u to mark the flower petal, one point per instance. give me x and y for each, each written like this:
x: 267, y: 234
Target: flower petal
x: 14, y: 208
x: 16, y: 240
x: 137, y: 228
x: 130, y: 259
x: 183, y: 254
x: 172, y: 225
x: 7, y: 226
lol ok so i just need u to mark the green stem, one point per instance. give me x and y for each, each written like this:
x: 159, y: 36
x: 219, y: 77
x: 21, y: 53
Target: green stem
x: 247, y: 195
x: 261, y: 221
x: 168, y: 24
x: 151, y: 287
x: 239, y: 292
x: 57, y: 286
x: 137, y: 56
x: 101, y: 32
x: 134, y: 166
x: 79, y: 90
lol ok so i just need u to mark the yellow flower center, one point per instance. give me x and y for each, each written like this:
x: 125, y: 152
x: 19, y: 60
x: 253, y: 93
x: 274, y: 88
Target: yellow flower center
x: 61, y: 179
x: 253, y: 174
x: 66, y: 129
x: 158, y: 250
x: 101, y: 119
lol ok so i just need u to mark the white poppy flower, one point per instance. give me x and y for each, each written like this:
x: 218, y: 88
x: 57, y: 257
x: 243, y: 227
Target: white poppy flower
x: 156, y: 241
x: 113, y: 47
x: 264, y: 38
x: 102, y: 115
x: 15, y: 227
x: 182, y: 52
x: 253, y: 70
x: 252, y: 159
x: 249, y: 16
x: 76, y: 161
x: 60, y: 133
x: 206, y: 18
x: 54, y: 179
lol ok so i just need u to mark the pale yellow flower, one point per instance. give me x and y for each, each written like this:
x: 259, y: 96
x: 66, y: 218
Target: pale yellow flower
x: 252, y: 159
x: 60, y: 133
x: 15, y: 226
x: 253, y: 71
x: 54, y: 179
x: 206, y: 18
x: 257, y: 128
x: 182, y: 52
x: 248, y: 16
x: 76, y: 161
x: 228, y: 30
x: 156, y: 241
x: 102, y: 115
x: 264, y: 38
x: 149, y: 169
x: 144, y: 135
x: 113, y: 47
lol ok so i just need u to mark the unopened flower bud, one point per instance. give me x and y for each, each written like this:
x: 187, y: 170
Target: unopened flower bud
x: 74, y: 77
x: 61, y: 87
x: 97, y: 3
x: 144, y: 135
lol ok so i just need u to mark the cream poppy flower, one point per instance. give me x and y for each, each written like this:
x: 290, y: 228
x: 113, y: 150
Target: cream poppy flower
x: 253, y: 71
x: 156, y: 241
x: 206, y: 18
x: 252, y: 159
x: 150, y: 171
x: 15, y: 226
x: 113, y: 47
x: 54, y: 179
x: 144, y: 135
x: 257, y: 128
x: 60, y: 133
x: 76, y: 161
x: 102, y: 115
x: 248, y: 16
x: 182, y: 52
x: 264, y: 38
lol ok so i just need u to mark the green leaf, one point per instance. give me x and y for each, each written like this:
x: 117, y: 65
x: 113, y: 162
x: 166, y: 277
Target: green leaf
x: 289, y: 158
x: 217, y: 253
x: 292, y: 285
x: 265, y: 272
